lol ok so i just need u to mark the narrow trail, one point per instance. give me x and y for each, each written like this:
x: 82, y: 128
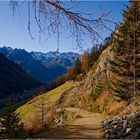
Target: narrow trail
x: 87, y: 126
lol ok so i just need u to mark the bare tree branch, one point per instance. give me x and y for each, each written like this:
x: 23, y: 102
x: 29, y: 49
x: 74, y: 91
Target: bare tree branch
x: 51, y: 16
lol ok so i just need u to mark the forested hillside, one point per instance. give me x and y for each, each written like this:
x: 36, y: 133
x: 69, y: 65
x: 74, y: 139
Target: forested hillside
x: 14, y: 81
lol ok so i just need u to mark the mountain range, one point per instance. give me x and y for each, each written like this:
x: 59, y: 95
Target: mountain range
x: 14, y: 81
x: 44, y: 67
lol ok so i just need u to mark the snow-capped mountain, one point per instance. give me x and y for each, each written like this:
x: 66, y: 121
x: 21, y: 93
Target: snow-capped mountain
x: 66, y: 58
x: 44, y: 67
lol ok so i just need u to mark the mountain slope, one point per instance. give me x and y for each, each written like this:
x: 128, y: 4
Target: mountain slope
x: 44, y: 67
x: 14, y: 80
x: 83, y: 94
x: 30, y: 113
x: 93, y: 95
x: 80, y: 107
x: 79, y: 94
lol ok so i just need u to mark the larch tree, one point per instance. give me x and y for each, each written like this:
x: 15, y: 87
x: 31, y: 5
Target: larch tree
x: 85, y: 62
x: 41, y: 105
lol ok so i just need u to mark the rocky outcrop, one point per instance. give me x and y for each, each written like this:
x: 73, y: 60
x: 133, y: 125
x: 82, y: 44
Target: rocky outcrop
x: 126, y: 127
x: 61, y: 116
x: 85, y: 94
x: 77, y: 96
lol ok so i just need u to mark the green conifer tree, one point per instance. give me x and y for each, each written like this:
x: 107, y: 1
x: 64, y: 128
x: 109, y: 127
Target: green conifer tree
x: 11, y: 126
x: 77, y: 66
x: 126, y: 46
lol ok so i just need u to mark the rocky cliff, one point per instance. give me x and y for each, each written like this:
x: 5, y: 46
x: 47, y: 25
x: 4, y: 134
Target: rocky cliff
x: 93, y: 93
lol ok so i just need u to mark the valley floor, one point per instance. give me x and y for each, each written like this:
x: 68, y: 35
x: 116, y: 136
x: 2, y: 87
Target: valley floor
x: 86, y: 126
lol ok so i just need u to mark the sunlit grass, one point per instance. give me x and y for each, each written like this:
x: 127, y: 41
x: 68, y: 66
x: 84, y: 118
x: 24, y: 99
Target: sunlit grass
x: 28, y: 111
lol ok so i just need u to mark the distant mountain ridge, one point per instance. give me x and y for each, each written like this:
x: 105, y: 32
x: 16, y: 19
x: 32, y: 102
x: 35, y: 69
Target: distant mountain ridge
x: 44, y: 67
x: 66, y: 58
x: 14, y: 81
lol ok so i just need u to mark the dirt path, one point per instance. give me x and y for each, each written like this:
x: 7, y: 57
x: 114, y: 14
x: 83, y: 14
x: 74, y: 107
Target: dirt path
x: 87, y: 126
x: 87, y: 118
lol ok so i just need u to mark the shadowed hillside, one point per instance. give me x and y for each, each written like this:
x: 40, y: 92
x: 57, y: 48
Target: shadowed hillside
x: 44, y: 67
x: 14, y: 81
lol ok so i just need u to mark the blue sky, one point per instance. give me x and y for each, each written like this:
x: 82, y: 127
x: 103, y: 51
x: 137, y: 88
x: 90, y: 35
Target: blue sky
x: 14, y: 32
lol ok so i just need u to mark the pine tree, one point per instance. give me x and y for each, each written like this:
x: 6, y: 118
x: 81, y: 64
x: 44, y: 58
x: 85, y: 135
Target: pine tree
x: 94, y: 54
x: 77, y: 66
x: 11, y: 126
x: 126, y: 46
